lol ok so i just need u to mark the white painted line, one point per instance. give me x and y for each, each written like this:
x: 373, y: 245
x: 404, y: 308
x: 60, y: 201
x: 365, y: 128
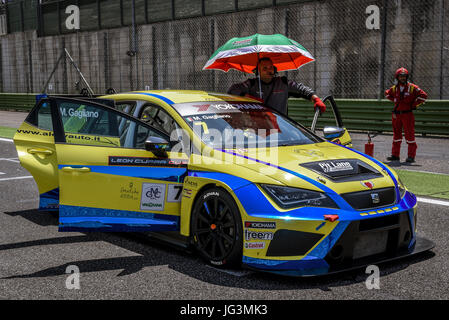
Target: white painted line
x: 7, y: 140
x: 433, y: 201
x: 443, y: 174
x: 12, y: 160
x: 16, y: 178
x: 2, y: 173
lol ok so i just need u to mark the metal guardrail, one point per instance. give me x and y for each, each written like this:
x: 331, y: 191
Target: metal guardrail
x: 17, y: 101
x: 432, y: 118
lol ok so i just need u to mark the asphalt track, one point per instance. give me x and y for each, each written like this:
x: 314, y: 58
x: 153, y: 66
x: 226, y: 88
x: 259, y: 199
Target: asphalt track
x: 34, y: 258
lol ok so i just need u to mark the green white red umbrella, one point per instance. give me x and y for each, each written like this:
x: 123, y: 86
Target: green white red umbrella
x: 244, y: 53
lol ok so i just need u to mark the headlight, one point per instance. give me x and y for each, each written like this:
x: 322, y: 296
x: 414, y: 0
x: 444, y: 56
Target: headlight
x: 402, y: 188
x: 287, y: 198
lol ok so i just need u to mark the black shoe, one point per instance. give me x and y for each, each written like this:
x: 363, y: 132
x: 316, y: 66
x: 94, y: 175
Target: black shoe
x: 410, y: 160
x: 393, y: 158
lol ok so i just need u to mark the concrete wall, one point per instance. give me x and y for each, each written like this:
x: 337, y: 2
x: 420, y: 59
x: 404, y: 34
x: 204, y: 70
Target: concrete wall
x: 171, y: 54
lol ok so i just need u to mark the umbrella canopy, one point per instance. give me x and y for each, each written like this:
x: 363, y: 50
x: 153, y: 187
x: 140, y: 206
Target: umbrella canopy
x: 243, y: 53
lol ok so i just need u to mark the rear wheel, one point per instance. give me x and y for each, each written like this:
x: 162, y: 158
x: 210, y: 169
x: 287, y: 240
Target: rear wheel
x: 217, y: 228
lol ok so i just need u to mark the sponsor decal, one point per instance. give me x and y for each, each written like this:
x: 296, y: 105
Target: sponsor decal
x: 254, y: 245
x: 201, y: 107
x: 187, y: 193
x: 331, y: 166
x: 129, y: 192
x: 95, y: 140
x: 153, y: 196
x: 252, y: 235
x: 260, y: 225
x: 150, y: 162
x: 174, y: 193
x: 207, y: 195
x: 191, y: 183
x: 242, y: 42
x: 368, y: 184
x: 79, y: 113
x: 216, y: 116
x: 309, y: 153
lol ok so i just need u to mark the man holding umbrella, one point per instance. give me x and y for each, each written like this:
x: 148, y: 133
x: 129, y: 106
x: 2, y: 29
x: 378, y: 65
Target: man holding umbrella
x: 265, y: 55
x: 275, y: 90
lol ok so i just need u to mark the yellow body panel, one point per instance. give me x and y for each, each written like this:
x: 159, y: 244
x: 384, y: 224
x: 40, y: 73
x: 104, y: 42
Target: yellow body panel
x: 103, y: 190
x: 37, y: 154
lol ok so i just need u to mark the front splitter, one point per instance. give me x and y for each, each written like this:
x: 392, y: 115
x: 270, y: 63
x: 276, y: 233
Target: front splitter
x: 421, y: 245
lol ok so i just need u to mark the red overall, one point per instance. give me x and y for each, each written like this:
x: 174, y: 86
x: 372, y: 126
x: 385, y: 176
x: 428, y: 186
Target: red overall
x: 405, y: 101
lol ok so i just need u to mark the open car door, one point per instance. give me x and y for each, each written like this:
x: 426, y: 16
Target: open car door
x: 108, y: 181
x: 338, y: 133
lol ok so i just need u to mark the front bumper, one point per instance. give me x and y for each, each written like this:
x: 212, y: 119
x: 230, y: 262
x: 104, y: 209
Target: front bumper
x: 309, y: 266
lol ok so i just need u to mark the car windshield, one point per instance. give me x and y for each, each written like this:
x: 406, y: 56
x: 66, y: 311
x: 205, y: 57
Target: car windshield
x: 231, y: 125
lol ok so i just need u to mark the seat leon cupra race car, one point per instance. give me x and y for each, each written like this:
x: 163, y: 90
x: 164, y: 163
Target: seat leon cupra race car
x: 236, y: 180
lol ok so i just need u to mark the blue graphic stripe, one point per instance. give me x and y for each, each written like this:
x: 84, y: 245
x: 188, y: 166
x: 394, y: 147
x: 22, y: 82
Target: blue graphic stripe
x: 305, y: 266
x: 174, y: 174
x: 49, y: 201
x: 166, y: 100
x: 231, y: 181
x: 321, y: 250
x: 339, y: 200
x: 74, y: 218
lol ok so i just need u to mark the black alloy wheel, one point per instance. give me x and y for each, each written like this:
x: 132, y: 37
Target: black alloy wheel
x: 217, y: 228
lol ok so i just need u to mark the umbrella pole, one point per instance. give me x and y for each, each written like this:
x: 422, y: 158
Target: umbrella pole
x: 258, y: 76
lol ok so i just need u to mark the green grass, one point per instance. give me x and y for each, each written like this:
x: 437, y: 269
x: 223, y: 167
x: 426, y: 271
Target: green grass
x: 426, y: 184
x: 6, y: 132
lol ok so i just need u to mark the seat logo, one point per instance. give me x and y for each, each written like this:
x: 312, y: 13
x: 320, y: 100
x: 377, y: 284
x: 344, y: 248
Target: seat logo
x: 375, y: 198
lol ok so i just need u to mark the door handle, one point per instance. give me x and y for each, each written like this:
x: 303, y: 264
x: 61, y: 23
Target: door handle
x: 40, y: 151
x: 71, y: 169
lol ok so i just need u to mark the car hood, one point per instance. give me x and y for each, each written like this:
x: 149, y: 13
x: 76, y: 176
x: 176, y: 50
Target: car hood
x: 317, y: 167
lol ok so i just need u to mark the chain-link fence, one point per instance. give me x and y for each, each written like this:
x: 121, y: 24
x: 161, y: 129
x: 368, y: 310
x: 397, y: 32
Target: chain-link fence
x: 352, y: 61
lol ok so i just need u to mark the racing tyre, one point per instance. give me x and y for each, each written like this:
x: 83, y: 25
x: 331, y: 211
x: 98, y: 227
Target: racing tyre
x: 217, y: 228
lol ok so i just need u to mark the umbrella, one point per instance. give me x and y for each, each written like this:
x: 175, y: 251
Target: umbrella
x: 244, y: 53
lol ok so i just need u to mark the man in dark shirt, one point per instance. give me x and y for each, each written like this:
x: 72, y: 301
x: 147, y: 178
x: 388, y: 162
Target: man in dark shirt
x: 275, y: 90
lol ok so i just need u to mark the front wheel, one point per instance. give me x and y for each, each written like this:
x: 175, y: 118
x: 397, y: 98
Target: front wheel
x: 217, y: 228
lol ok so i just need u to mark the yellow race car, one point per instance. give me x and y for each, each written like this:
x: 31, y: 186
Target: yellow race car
x: 225, y: 174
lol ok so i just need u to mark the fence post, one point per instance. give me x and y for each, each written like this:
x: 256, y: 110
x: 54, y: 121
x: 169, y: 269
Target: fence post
x: 155, y: 71
x: 212, y: 48
x: 64, y: 70
x: 442, y: 49
x: 1, y: 68
x: 383, y: 49
x: 30, y: 65
x: 107, y: 72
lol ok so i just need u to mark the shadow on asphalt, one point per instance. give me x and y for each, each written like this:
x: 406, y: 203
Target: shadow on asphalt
x: 154, y: 253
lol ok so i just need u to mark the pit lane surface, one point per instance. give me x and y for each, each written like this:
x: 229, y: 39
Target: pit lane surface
x: 34, y: 258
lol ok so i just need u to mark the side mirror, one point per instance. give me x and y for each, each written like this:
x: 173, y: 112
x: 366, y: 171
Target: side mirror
x: 333, y: 132
x: 158, y: 146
